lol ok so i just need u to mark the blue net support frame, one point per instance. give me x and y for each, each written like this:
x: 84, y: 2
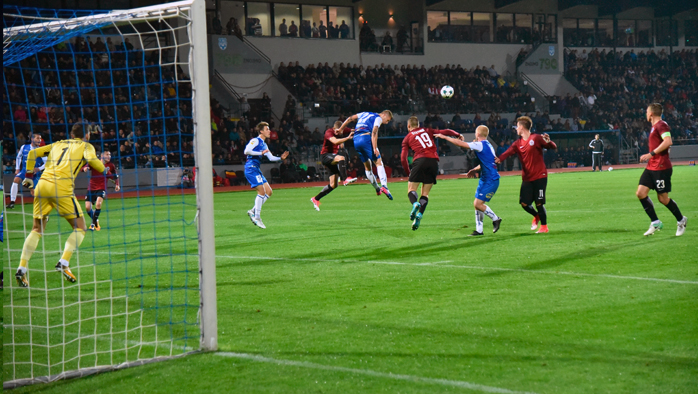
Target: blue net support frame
x: 145, y: 285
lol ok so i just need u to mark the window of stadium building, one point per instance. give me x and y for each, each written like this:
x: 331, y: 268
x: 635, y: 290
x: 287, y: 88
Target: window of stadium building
x: 460, y: 26
x: 258, y: 20
x: 482, y: 26
x: 287, y: 20
x: 604, y: 33
x: 549, y: 28
x: 437, y: 22
x: 644, y: 33
x: 524, y: 28
x: 505, y: 28
x: 667, y: 33
x: 342, y: 18
x: 625, y: 33
x: 690, y: 29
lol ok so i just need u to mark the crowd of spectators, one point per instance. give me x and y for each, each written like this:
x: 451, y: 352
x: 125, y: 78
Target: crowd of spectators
x: 616, y: 87
x: 333, y: 90
x: 132, y: 107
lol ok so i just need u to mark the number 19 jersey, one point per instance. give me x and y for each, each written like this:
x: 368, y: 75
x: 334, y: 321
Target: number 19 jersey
x: 421, y: 141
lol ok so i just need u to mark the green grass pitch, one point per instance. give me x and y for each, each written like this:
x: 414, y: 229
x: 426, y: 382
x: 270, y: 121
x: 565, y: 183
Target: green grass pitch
x: 350, y: 300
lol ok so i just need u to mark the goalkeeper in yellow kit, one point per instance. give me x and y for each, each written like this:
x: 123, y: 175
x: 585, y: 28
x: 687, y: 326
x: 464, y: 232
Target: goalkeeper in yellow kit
x: 57, y: 190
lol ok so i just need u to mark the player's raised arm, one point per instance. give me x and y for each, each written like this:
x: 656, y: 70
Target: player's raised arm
x: 91, y: 158
x: 547, y: 143
x: 350, y: 119
x: 275, y: 158
x: 452, y: 140
x: 338, y: 141
x: 450, y: 133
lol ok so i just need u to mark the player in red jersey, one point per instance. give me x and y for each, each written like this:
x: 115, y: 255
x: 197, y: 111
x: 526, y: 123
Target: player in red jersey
x: 425, y: 165
x: 529, y: 148
x: 96, y: 191
x: 657, y: 174
x: 334, y: 162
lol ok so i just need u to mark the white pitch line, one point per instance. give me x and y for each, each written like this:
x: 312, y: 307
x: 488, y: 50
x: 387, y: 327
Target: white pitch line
x: 410, y: 378
x: 472, y: 267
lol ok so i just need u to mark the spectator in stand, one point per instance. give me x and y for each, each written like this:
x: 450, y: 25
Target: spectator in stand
x: 283, y: 28
x: 344, y: 30
x: 293, y: 30
x: 217, y: 26
x: 322, y: 29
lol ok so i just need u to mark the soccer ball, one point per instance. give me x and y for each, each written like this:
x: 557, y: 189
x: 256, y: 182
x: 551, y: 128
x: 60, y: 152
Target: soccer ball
x: 447, y: 92
x: 610, y: 168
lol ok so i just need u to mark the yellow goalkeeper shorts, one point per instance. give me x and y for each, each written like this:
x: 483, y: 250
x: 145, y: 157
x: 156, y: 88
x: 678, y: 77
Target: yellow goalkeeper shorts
x: 49, y: 195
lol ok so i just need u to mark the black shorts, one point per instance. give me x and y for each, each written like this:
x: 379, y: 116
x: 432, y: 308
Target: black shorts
x: 424, y: 170
x: 93, y: 194
x: 327, y: 159
x: 657, y: 180
x: 533, y: 191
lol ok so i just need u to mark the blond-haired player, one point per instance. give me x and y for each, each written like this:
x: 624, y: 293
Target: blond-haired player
x: 64, y: 159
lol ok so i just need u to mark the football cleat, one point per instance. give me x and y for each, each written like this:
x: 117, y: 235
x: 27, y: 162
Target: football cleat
x: 97, y: 228
x: 11, y: 205
x: 534, y: 223
x: 92, y: 227
x: 385, y: 191
x: 21, y: 278
x: 66, y: 272
x: 681, y: 226
x: 258, y: 223
x: 417, y: 220
x: 475, y: 233
x: 654, y: 227
x: 543, y: 229
x: 316, y: 203
x: 495, y: 225
x: 415, y: 209
x: 350, y: 180
x: 378, y: 192
x: 250, y: 213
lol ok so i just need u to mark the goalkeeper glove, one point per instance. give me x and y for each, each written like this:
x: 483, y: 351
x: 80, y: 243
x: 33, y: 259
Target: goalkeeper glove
x: 28, y: 183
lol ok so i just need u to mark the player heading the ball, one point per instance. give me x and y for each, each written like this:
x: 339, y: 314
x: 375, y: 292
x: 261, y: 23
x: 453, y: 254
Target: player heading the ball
x: 57, y: 190
x: 366, y: 145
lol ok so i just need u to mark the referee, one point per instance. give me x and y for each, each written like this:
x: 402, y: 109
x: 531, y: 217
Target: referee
x: 596, y: 146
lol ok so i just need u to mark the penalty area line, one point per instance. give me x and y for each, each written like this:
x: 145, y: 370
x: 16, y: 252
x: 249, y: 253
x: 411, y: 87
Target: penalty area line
x: 368, y: 372
x: 442, y: 264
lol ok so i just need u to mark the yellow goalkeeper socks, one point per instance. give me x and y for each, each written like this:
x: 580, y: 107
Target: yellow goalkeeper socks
x: 72, y: 243
x: 29, y: 247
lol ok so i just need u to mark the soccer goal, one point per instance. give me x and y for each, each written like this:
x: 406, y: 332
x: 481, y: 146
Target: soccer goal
x: 137, y: 81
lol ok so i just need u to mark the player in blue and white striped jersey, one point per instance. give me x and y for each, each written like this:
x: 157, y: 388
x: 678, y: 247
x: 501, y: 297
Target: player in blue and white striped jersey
x: 255, y: 149
x: 366, y: 145
x: 21, y: 167
x: 489, y: 177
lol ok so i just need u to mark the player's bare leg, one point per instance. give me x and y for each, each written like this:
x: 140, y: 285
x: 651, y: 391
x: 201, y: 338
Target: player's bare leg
x: 14, y: 190
x: 88, y: 209
x: 642, y: 194
x: 71, y: 245
x: 28, y: 249
x: 482, y: 207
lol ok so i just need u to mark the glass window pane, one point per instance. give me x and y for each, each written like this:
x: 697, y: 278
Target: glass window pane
x: 286, y: 15
x: 258, y: 22
x: 625, y: 33
x: 569, y: 32
x: 524, y: 23
x: 644, y: 33
x: 342, y: 18
x: 460, y: 27
x: 667, y: 33
x: 550, y: 31
x: 234, y: 10
x: 586, y: 33
x: 604, y: 33
x: 482, y: 25
x: 505, y: 28
x: 437, y: 22
x: 312, y: 16
x: 690, y: 32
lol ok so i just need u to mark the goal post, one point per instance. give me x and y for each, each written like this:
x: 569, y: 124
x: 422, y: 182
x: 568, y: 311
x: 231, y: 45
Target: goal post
x: 146, y: 283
